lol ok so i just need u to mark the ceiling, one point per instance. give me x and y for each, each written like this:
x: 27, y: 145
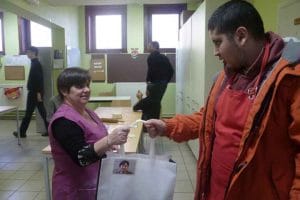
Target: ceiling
x: 112, y: 2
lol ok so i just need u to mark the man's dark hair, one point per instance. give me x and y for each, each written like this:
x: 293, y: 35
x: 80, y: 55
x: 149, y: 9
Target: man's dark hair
x: 155, y: 45
x: 123, y: 162
x: 33, y: 49
x: 233, y: 14
x: 73, y: 76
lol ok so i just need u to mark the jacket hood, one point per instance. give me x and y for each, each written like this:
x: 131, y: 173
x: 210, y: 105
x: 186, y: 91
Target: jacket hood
x: 276, y: 47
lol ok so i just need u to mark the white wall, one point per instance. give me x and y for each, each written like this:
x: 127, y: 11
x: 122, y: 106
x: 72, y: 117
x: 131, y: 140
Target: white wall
x: 288, y: 11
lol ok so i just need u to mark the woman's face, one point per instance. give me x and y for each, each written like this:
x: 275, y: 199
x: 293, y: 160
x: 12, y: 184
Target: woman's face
x: 78, y: 96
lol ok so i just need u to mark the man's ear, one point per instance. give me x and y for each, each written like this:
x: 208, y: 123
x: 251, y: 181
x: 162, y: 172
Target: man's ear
x: 241, y: 35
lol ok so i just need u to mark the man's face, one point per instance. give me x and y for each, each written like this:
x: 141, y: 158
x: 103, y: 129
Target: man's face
x: 124, y: 167
x: 30, y: 54
x: 150, y: 48
x: 227, y: 49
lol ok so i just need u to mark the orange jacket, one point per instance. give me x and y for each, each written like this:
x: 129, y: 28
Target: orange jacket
x: 268, y: 163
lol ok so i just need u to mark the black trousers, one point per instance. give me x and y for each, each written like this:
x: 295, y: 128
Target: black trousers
x: 156, y: 93
x: 31, y: 103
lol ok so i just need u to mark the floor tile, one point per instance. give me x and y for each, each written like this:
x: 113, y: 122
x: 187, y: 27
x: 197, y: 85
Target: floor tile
x: 12, y: 166
x: 32, y: 185
x: 6, y: 174
x: 182, y: 175
x: 6, y: 194
x: 183, y: 196
x: 22, y: 175
x: 23, y: 196
x: 41, y: 196
x: 184, y: 186
x: 11, y: 184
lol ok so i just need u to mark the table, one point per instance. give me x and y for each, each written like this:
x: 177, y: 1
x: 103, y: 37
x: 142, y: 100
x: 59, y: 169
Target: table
x: 7, y: 109
x: 109, y: 98
x: 132, y: 145
x: 113, y: 100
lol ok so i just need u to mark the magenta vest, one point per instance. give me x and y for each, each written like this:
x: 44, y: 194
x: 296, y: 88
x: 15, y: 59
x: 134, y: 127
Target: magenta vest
x: 70, y: 181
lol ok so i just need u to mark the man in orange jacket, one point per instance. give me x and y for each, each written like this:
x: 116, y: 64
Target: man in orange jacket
x: 249, y: 129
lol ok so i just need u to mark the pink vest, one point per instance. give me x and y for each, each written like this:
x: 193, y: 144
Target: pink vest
x: 70, y: 181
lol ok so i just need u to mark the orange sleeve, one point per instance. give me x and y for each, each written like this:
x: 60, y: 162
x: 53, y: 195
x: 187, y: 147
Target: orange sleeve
x: 184, y: 127
x: 294, y: 131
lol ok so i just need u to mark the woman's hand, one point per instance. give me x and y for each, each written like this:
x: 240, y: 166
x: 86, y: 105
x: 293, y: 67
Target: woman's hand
x: 118, y: 135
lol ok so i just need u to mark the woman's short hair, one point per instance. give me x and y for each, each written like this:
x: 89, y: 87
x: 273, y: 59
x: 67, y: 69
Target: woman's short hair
x: 73, y: 76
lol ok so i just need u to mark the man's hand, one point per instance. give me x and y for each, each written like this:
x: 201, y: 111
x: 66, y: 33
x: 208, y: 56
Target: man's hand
x: 155, y: 127
x: 139, y: 95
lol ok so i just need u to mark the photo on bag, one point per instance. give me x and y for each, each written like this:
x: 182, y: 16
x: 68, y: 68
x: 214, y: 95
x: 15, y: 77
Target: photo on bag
x: 124, y: 166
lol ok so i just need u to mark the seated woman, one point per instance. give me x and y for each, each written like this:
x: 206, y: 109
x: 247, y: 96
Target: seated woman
x: 78, y: 139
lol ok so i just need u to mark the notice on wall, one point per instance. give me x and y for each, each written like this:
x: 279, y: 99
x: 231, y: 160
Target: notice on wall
x: 97, y: 68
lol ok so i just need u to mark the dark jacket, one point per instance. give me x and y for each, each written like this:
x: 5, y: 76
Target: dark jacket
x: 35, y: 79
x: 160, y: 69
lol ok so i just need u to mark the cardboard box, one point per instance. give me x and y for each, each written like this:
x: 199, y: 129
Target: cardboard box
x: 14, y: 72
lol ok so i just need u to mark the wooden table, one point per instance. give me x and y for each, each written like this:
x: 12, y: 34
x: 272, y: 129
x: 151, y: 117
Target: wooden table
x: 132, y: 145
x: 109, y: 98
x: 113, y: 100
x: 7, y: 109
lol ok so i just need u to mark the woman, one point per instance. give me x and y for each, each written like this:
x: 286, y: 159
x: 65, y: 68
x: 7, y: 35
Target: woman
x: 78, y: 139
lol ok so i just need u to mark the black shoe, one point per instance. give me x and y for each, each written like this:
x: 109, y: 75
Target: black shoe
x: 45, y: 134
x: 15, y: 133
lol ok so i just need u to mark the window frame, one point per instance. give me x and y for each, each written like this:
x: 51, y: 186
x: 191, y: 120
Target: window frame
x: 150, y: 9
x: 24, y: 35
x: 2, y: 31
x: 90, y: 32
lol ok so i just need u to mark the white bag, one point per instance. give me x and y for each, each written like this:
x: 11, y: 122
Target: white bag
x: 148, y: 177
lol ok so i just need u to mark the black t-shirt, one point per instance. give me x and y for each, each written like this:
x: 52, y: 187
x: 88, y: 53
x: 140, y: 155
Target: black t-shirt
x: 160, y: 69
x: 71, y: 138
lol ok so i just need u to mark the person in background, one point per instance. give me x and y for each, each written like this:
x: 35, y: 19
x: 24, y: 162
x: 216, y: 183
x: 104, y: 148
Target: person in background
x: 159, y: 74
x: 35, y: 87
x: 249, y: 129
x: 54, y: 104
x: 78, y: 139
x: 150, y: 106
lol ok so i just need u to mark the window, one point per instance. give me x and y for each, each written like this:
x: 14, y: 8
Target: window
x: 162, y: 25
x: 1, y: 35
x: 40, y: 35
x: 106, y: 30
x: 33, y: 34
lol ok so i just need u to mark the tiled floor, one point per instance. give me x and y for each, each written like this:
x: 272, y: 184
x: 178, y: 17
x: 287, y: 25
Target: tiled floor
x: 21, y: 169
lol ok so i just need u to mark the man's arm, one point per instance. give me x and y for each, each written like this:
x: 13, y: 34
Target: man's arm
x: 37, y: 77
x: 179, y: 128
x: 150, y: 63
x: 184, y: 127
x: 170, y: 69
